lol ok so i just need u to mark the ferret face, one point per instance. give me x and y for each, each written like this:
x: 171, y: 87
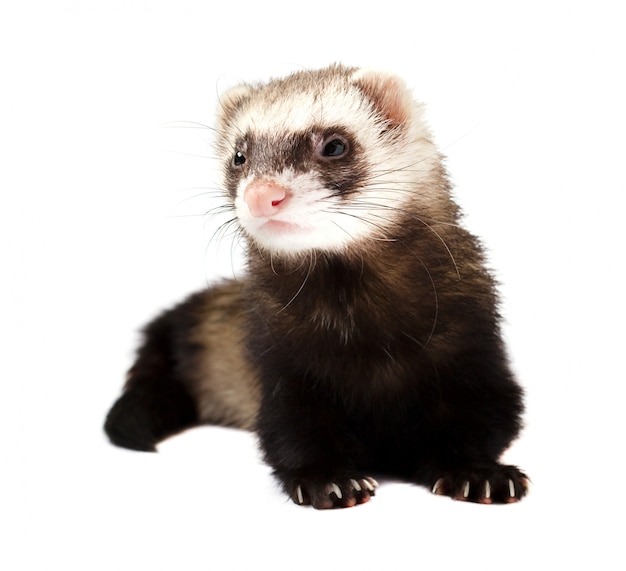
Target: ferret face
x: 322, y: 160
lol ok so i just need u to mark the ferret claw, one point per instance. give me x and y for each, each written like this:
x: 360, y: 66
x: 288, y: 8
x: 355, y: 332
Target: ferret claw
x: 370, y: 483
x: 437, y: 486
x: 487, y: 490
x: 466, y: 489
x: 334, y: 488
x: 299, y: 496
x: 373, y: 482
x: 356, y: 486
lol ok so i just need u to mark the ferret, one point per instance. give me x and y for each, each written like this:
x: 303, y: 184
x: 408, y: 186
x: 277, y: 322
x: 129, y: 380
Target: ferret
x: 364, y: 340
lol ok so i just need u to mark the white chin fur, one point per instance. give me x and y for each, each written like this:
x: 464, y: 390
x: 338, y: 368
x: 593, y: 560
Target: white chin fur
x: 291, y: 239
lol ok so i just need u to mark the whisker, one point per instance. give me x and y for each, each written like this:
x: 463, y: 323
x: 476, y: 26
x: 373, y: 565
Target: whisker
x: 312, y: 264
x: 432, y: 282
x: 185, y: 216
x: 221, y: 232
x: 189, y: 198
x: 361, y: 204
x: 439, y: 237
x: 228, y: 228
x: 210, y: 190
x: 362, y: 219
x: 404, y: 168
x: 186, y: 125
x: 357, y: 205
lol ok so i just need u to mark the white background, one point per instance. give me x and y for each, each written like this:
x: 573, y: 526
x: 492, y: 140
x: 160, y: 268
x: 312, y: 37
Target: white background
x: 101, y: 227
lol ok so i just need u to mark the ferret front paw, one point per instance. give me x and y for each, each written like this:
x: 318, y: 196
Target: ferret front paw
x: 495, y: 484
x: 341, y: 493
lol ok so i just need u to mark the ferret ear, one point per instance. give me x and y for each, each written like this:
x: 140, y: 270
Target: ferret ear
x: 230, y: 100
x: 389, y: 94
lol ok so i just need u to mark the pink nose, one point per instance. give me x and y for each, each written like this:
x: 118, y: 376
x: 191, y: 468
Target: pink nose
x: 264, y: 198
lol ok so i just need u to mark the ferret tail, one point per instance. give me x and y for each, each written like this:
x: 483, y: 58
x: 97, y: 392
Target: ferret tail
x: 156, y: 402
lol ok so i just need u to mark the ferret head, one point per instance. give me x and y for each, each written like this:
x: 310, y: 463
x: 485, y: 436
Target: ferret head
x: 325, y: 160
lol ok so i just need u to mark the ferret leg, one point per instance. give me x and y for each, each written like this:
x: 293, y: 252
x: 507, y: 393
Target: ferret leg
x: 480, y: 419
x: 312, y: 446
x: 462, y: 462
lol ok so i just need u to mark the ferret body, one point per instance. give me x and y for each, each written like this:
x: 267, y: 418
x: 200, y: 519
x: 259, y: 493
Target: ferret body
x: 364, y: 339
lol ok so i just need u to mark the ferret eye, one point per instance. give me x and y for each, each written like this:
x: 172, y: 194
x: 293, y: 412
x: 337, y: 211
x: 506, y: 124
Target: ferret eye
x: 239, y: 159
x: 334, y: 147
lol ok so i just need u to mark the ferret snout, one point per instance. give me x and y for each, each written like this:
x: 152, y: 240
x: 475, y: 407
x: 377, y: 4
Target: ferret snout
x: 264, y: 199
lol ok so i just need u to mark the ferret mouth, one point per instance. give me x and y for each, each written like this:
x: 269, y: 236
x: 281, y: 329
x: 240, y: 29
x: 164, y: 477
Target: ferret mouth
x: 282, y: 227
